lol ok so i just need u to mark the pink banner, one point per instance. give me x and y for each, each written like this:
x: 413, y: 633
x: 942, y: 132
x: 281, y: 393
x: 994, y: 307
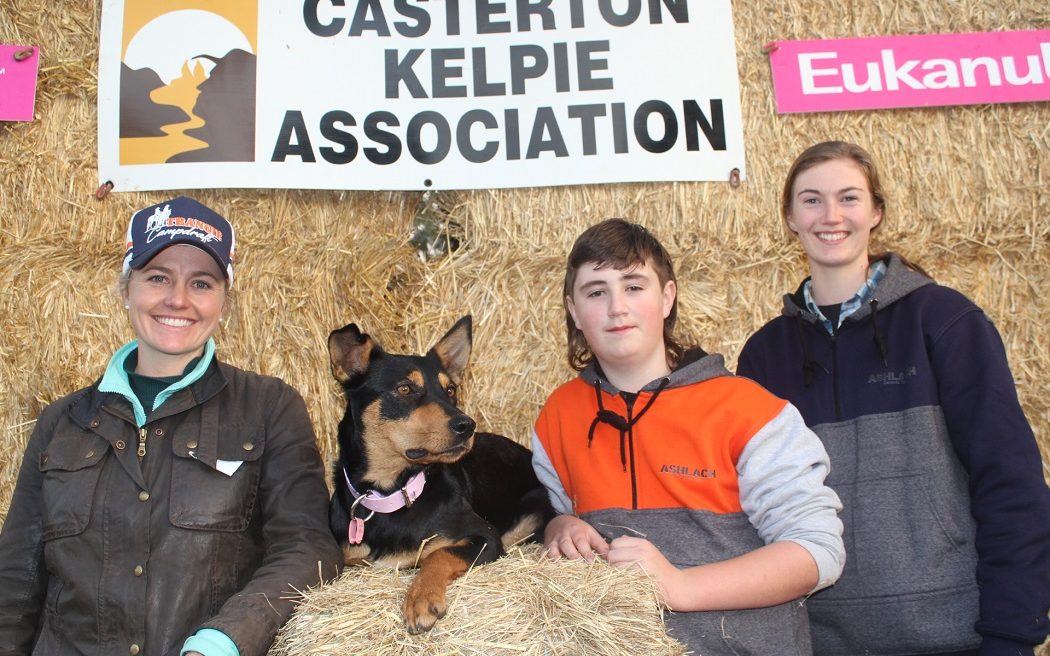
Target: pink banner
x: 911, y: 71
x: 18, y: 66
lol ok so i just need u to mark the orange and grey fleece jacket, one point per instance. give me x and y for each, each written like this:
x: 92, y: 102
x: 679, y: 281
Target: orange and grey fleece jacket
x: 707, y: 466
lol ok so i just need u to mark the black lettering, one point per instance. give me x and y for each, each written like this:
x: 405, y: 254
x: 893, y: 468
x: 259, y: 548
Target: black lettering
x: 401, y: 71
x: 546, y: 124
x: 561, y: 67
x: 293, y: 124
x: 313, y: 22
x: 482, y: 87
x: 485, y: 9
x: 414, y: 137
x: 619, y: 118
x: 679, y: 11
x: 510, y: 121
x: 441, y: 71
x: 466, y: 146
x: 452, y: 17
x: 345, y: 139
x: 586, y: 114
x: 634, y: 8
x: 383, y: 137
x: 641, y: 126
x: 576, y: 13
x: 529, y: 8
x: 586, y: 64
x: 418, y: 14
x: 519, y: 72
x: 714, y: 130
x: 362, y: 22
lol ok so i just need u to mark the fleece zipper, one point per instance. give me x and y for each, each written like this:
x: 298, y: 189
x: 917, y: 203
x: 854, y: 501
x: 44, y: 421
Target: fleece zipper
x: 630, y: 457
x: 835, y: 375
x: 629, y: 400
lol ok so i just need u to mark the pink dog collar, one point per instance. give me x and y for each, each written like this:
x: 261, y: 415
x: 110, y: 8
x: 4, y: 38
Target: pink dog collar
x: 388, y: 503
x: 384, y: 503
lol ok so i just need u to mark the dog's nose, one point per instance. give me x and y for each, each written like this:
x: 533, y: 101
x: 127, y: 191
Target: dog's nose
x: 463, y: 426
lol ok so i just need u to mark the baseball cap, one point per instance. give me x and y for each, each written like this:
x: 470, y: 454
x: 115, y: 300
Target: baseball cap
x: 181, y: 220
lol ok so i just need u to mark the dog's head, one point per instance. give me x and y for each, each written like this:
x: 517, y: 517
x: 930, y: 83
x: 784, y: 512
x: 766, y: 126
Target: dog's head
x: 404, y: 406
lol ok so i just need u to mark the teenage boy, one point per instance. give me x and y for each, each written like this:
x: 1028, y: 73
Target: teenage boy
x: 708, y: 482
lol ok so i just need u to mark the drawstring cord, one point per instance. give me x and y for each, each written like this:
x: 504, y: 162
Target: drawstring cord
x: 880, y: 340
x: 809, y: 365
x: 619, y: 422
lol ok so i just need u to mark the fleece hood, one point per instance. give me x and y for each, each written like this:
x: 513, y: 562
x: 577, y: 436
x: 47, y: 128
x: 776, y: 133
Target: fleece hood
x: 899, y: 281
x: 696, y: 366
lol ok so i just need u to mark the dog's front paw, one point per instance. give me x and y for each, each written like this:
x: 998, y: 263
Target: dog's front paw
x: 424, y: 605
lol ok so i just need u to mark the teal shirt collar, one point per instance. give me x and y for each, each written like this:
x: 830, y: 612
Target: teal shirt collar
x: 115, y: 380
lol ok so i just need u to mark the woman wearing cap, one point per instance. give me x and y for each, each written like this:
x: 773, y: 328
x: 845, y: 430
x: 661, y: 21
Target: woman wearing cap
x: 175, y: 505
x: 946, y: 513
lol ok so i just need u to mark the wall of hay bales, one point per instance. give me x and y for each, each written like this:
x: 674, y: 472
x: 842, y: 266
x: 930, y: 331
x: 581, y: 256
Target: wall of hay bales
x: 967, y: 188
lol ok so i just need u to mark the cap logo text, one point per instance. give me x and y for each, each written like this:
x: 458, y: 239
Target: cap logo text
x: 163, y: 224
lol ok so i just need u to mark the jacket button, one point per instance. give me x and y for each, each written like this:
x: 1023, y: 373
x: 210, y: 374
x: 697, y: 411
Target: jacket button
x: 192, y: 444
x: 120, y: 445
x: 135, y: 649
x: 247, y: 446
x: 138, y: 570
x: 143, y: 496
x: 95, y: 423
x: 159, y: 432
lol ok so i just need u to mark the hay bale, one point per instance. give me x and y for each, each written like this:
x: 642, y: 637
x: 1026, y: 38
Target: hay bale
x: 521, y: 604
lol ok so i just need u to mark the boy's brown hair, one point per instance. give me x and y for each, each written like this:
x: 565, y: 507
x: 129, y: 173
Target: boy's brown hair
x: 622, y: 245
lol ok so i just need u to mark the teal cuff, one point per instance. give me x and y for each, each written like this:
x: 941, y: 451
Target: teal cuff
x: 210, y: 642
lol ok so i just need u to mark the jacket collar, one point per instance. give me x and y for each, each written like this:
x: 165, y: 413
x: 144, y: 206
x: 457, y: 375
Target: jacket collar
x: 898, y: 282
x: 87, y: 407
x: 696, y: 366
x: 115, y: 379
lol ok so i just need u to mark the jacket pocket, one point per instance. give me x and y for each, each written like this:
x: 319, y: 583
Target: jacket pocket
x: 781, y: 629
x: 902, y: 541
x: 205, y: 498
x: 71, y: 467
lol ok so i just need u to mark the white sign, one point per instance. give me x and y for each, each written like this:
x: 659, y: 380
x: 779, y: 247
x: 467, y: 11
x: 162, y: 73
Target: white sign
x: 411, y: 94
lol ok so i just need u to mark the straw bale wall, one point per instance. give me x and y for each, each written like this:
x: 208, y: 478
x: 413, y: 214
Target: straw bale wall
x: 966, y: 190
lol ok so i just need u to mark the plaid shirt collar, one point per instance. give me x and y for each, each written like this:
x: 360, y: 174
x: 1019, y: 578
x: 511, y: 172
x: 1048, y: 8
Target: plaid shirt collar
x: 875, y: 273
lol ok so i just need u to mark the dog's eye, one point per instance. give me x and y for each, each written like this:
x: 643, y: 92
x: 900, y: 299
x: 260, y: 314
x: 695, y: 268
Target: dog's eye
x: 451, y: 391
x: 404, y: 389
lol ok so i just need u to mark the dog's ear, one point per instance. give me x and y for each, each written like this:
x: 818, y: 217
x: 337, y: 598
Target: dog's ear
x: 349, y: 350
x: 453, y: 350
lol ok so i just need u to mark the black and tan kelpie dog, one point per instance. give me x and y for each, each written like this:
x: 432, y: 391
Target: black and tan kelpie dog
x: 414, y: 483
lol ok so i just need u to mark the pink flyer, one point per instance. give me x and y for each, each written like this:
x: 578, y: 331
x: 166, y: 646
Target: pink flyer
x: 18, y: 71
x: 921, y: 70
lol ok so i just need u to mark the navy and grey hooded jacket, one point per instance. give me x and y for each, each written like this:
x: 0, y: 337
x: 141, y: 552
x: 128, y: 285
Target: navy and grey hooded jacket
x: 946, y: 512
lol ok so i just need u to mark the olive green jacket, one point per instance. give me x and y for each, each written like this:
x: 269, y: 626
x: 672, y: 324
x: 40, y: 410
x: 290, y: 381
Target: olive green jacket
x: 107, y: 552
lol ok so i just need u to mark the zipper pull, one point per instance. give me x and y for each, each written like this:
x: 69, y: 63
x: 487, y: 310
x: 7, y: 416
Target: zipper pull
x: 142, y: 442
